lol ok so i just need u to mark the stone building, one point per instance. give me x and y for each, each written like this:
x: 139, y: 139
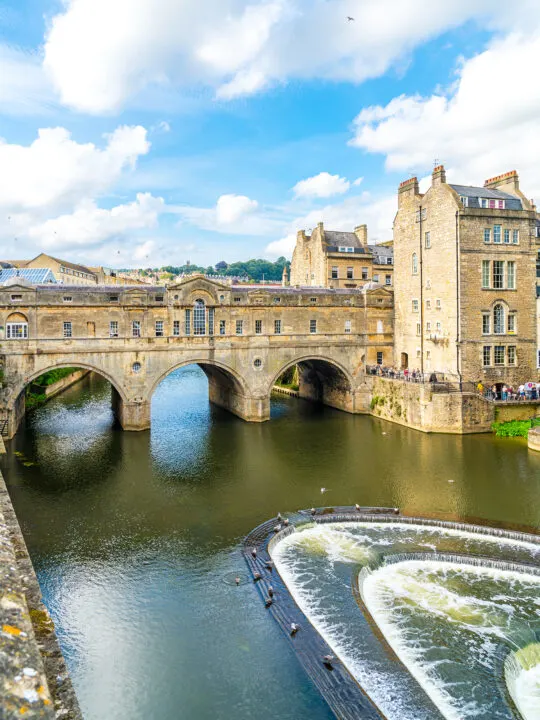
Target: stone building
x: 336, y: 259
x: 465, y: 282
x: 65, y: 272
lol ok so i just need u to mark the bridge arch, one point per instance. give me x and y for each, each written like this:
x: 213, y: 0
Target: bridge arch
x: 322, y: 379
x: 207, y: 366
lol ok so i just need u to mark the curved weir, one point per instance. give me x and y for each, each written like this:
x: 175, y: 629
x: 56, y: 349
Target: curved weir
x: 441, y: 597
x: 522, y: 678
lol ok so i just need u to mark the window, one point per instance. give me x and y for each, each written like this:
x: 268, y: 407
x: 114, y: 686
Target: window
x: 222, y: 327
x: 486, y: 356
x: 334, y: 272
x: 113, y: 328
x: 487, y: 235
x: 113, y: 298
x: 506, y: 236
x: 176, y: 328
x: 257, y: 363
x: 428, y: 240
x: 464, y: 200
x: 498, y: 274
x: 277, y: 327
x: 418, y: 328
x: 511, y: 275
x: 239, y: 327
x: 438, y: 303
x: 515, y: 236
x: 428, y: 304
x: 347, y: 327
x: 350, y: 273
x: 498, y: 320
x: 68, y: 330
x: 428, y: 327
x: 276, y: 300
x: 346, y: 249
x: 486, y: 324
x: 188, y: 322
x: 210, y: 321
x: 313, y: 326
x: 380, y: 358
x: 415, y: 264
x: 421, y: 215
x: 497, y: 234
x: 199, y: 318
x: 428, y: 354
x: 364, y: 273
x: 485, y: 273
x: 511, y: 323
x: 68, y: 298
x: 16, y: 298
x: 387, y: 279
x: 159, y: 328
x: 313, y: 300
x: 415, y: 306
x: 511, y: 354
x: 159, y: 298
x: 417, y: 352
x: 498, y: 354
x: 438, y: 327
x: 136, y: 328
x: 376, y: 278
x: 237, y: 299
x: 258, y: 327
x: 389, y: 261
x: 17, y: 331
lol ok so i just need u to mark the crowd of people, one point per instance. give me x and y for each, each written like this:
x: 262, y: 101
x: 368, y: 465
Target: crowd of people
x: 414, y: 375
x: 504, y: 392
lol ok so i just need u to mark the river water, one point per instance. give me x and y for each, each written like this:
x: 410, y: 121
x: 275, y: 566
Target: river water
x: 135, y: 536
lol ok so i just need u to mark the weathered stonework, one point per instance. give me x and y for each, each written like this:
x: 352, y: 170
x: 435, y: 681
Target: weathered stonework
x: 330, y: 334
x: 534, y: 439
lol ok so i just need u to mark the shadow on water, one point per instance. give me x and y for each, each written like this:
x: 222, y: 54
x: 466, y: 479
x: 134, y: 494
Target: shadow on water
x: 133, y: 533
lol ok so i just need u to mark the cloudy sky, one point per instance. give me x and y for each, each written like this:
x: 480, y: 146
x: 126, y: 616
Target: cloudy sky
x: 156, y: 131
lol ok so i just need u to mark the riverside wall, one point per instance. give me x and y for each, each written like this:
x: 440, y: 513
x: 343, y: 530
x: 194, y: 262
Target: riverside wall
x: 34, y: 681
x: 534, y: 439
x: 51, y: 390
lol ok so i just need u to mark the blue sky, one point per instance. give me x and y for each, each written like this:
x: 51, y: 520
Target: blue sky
x: 140, y: 132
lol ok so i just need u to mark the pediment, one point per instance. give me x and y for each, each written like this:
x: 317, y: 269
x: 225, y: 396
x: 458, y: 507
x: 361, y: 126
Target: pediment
x: 17, y: 287
x: 380, y: 291
x: 198, y: 281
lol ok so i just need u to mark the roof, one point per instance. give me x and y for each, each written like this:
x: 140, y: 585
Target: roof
x: 336, y: 238
x: 34, y: 275
x: 72, y: 266
x: 380, y: 253
x: 512, y: 202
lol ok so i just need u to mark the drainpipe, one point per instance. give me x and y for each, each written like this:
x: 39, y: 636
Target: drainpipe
x: 421, y: 256
x: 458, y: 319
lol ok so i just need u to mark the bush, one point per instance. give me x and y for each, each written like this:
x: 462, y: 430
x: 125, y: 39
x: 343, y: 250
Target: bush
x: 514, y: 428
x: 52, y: 376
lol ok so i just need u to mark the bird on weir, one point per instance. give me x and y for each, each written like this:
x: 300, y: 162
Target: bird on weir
x: 328, y: 660
x: 294, y: 628
x: 257, y: 576
x: 254, y: 552
x: 268, y: 602
x: 270, y: 591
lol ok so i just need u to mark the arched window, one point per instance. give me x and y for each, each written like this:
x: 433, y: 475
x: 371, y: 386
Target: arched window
x: 199, y: 318
x: 498, y: 320
x: 415, y: 264
x: 17, y: 327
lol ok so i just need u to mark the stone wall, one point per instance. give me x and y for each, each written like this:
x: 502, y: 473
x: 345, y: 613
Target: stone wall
x: 34, y: 682
x: 534, y: 439
x: 51, y: 390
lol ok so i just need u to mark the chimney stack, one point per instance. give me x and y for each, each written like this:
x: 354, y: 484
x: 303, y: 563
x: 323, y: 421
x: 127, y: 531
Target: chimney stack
x: 408, y: 189
x: 508, y: 182
x: 438, y: 176
x: 361, y: 234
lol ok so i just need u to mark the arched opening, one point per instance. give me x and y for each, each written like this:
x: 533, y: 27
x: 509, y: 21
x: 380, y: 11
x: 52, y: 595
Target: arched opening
x: 404, y: 360
x: 78, y: 383
x: 317, y: 380
x: 17, y: 327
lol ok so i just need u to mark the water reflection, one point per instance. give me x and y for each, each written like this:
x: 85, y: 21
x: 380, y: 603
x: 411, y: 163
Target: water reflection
x: 132, y: 533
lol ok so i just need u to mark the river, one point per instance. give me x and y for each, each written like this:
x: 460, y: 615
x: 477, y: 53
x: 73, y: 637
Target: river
x: 135, y: 536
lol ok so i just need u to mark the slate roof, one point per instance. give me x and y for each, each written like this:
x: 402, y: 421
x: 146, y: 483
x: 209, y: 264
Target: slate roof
x: 381, y: 253
x: 34, y: 275
x: 473, y: 193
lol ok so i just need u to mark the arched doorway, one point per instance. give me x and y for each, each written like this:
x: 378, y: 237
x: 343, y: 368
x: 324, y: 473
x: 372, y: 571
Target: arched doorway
x: 404, y: 361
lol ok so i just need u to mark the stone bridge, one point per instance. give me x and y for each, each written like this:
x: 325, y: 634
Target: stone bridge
x: 243, y: 337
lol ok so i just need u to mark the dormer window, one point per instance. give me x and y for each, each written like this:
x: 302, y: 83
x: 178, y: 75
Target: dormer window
x: 346, y: 249
x: 492, y: 204
x: 464, y: 200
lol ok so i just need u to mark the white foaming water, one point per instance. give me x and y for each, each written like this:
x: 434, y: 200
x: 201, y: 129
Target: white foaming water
x: 313, y: 563
x: 522, y: 674
x: 412, y: 584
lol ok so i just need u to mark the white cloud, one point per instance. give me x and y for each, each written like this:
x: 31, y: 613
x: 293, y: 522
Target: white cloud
x: 24, y: 87
x: 378, y: 213
x: 233, y: 214
x: 322, y: 185
x: 230, y: 208
x: 54, y: 172
x: 90, y: 225
x: 488, y: 123
x: 144, y: 251
x: 101, y: 53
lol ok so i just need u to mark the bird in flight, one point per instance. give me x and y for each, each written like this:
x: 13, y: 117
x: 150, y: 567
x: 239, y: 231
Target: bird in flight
x: 350, y: 19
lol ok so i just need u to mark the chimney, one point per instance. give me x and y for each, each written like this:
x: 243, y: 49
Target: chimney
x: 438, y: 176
x: 285, y: 277
x: 361, y: 234
x: 301, y: 236
x: 408, y: 189
x: 508, y: 182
